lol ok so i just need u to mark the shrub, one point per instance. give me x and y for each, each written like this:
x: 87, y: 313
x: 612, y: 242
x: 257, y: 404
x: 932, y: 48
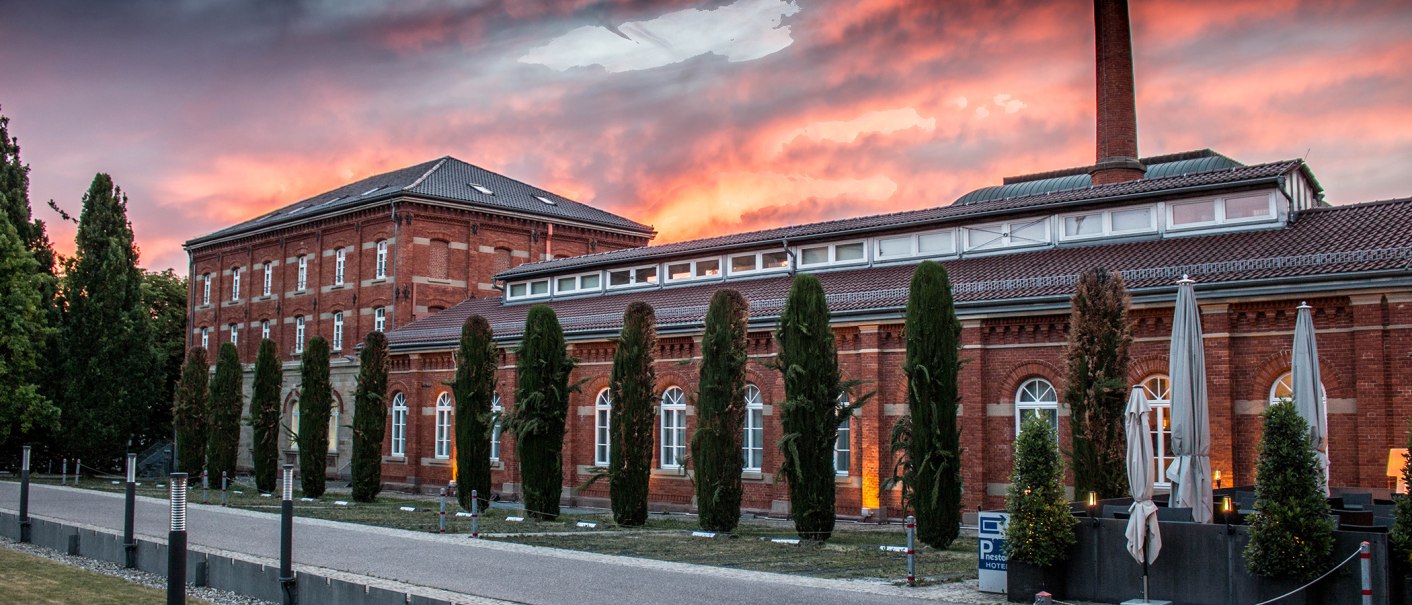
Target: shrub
x: 189, y: 412
x: 632, y: 389
x: 541, y: 406
x: 720, y: 413
x: 1291, y: 532
x: 369, y: 418
x: 264, y: 417
x: 1097, y: 389
x: 315, y: 408
x: 474, y: 389
x: 227, y: 403
x: 1041, y: 527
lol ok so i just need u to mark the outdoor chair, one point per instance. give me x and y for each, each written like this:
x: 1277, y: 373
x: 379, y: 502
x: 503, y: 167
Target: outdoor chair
x: 1384, y: 510
x: 1384, y: 520
x: 1168, y: 513
x: 1112, y: 511
x: 1245, y: 500
x: 1371, y: 529
x: 1353, y: 517
x: 1357, y: 501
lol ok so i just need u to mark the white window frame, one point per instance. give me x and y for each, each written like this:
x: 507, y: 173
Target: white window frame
x: 696, y: 274
x: 497, y: 409
x: 338, y: 330
x: 602, y: 428
x: 528, y: 287
x: 673, y: 426
x: 752, y: 443
x: 1220, y: 212
x: 442, y: 445
x: 268, y: 279
x: 1283, y: 388
x: 1006, y: 229
x: 578, y: 283
x: 235, y: 284
x: 632, y: 277
x: 1106, y: 223
x: 301, y: 282
x: 842, y: 444
x: 264, y: 329
x: 206, y: 290
x: 914, y: 249
x: 399, y: 425
x: 298, y: 334
x: 206, y: 338
x: 760, y: 267
x: 1158, y: 390
x: 340, y: 262
x: 333, y: 428
x: 380, y: 319
x: 380, y: 272
x: 1028, y: 398
x: 234, y: 334
x: 832, y: 254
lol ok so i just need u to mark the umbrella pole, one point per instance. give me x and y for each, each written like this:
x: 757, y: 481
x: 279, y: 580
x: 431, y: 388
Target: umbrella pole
x: 1144, y: 569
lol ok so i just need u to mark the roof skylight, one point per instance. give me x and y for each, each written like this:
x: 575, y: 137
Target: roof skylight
x: 480, y: 188
x: 546, y: 200
x: 371, y: 190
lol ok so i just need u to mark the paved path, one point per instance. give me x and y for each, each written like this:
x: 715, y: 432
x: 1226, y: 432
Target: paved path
x: 488, y: 569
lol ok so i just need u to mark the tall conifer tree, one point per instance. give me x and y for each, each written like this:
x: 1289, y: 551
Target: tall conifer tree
x: 315, y: 409
x: 808, y: 359
x: 369, y: 417
x: 190, y: 412
x: 474, y: 389
x: 720, y: 408
x: 1097, y: 390
x: 105, y: 338
x: 632, y: 389
x: 264, y: 417
x: 928, y: 437
x: 541, y: 407
x: 226, y: 404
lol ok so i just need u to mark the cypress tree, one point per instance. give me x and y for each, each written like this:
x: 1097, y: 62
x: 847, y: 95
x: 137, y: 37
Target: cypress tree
x: 1400, y: 539
x: 226, y: 404
x: 810, y: 416
x: 541, y: 407
x: 190, y: 411
x: 264, y: 417
x: 369, y: 417
x: 1291, y: 532
x: 315, y: 408
x: 928, y: 437
x: 1097, y: 388
x: 474, y: 389
x: 105, y: 340
x: 23, y: 332
x: 720, y: 407
x: 633, y: 389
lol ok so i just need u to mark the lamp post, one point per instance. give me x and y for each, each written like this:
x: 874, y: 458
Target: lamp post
x: 1093, y: 507
x: 176, y: 543
x: 290, y: 590
x: 129, y: 506
x: 24, y: 495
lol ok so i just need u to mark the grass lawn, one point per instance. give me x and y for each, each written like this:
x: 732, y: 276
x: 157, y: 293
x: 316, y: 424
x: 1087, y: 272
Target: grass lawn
x: 35, y: 580
x: 853, y: 553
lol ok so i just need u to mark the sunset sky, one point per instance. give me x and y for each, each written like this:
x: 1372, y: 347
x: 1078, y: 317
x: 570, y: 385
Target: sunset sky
x: 697, y: 118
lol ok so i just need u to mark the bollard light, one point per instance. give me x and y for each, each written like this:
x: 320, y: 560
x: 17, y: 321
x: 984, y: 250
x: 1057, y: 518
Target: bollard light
x: 129, y: 506
x: 289, y: 482
x: 132, y: 468
x: 24, y: 494
x: 176, y: 543
x: 288, y: 587
x: 24, y: 459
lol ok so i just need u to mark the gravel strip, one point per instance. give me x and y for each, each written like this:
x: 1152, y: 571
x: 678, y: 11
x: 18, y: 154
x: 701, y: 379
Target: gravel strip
x: 219, y: 597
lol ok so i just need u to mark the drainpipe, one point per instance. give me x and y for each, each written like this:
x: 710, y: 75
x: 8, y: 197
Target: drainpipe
x: 549, y: 242
x: 396, y: 243
x: 790, y: 253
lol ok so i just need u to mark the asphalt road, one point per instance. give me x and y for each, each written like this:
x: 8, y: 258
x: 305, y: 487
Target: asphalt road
x: 510, y: 572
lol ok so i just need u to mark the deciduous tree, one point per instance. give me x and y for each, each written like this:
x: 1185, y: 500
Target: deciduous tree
x: 23, y: 332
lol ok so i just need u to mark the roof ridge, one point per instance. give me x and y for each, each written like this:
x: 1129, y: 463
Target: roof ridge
x: 1358, y: 205
x: 428, y: 173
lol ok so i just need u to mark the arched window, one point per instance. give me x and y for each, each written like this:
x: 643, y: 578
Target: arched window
x: 841, y: 450
x: 382, y: 260
x: 301, y: 280
x: 673, y: 428
x: 333, y: 428
x: 235, y: 334
x: 602, y: 437
x: 443, y: 426
x: 338, y: 331
x: 268, y: 278
x: 753, y: 444
x: 206, y: 289
x: 1036, y: 398
x: 264, y: 329
x: 1158, y: 390
x: 340, y: 260
x: 1284, y: 389
x: 399, y: 425
x: 497, y: 409
x: 294, y: 424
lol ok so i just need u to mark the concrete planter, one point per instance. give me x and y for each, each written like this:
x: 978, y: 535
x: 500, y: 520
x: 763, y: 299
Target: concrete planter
x: 1023, y: 581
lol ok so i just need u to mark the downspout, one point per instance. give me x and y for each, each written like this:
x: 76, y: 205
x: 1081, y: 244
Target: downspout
x: 396, y: 243
x: 789, y: 253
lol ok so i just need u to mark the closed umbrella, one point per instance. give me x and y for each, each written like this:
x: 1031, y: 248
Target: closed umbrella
x: 1144, y: 539
x: 1190, y: 471
x: 1308, y: 398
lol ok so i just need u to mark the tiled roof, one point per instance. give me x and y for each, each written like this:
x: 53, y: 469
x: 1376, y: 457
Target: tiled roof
x: 1158, y: 167
x: 912, y: 218
x: 1327, y: 242
x: 446, y: 179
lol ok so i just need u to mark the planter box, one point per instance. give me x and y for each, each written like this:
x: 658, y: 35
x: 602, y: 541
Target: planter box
x: 1023, y: 581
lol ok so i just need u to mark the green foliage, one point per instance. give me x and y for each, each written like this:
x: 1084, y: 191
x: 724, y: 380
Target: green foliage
x: 105, y: 337
x: 1401, y: 535
x: 928, y: 438
x: 541, y: 407
x: 720, y: 413
x: 474, y: 390
x: 810, y: 415
x: 164, y: 294
x: 633, y: 390
x: 191, y: 411
x: 226, y: 403
x: 315, y: 408
x: 1041, y: 527
x: 1291, y: 532
x: 23, y: 331
x: 264, y: 417
x: 369, y: 418
x: 1097, y: 355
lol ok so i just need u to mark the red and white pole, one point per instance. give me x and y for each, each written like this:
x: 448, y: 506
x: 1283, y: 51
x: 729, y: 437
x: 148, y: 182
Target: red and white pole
x: 475, y: 514
x: 1365, y: 556
x: 911, y: 551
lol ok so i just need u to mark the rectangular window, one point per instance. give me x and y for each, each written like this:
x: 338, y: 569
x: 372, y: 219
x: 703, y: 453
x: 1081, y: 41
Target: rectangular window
x: 268, y: 279
x: 673, y: 428
x: 1136, y: 219
x: 339, y: 259
x: 205, y: 338
x: 1247, y: 207
x: 338, y: 331
x: 841, y: 452
x: 589, y: 282
x: 206, y: 289
x: 677, y: 271
x: 817, y: 255
x: 518, y: 290
x: 848, y: 253
x: 303, y: 279
x: 399, y: 424
x: 1193, y: 213
x: 380, y: 319
x: 895, y: 247
x: 708, y: 268
x: 497, y: 410
x: 744, y: 263
x: 265, y: 330
x: 235, y: 283
x: 646, y: 275
x: 1034, y: 232
x: 753, y: 444
x: 299, y: 334
x: 1005, y: 235
x: 694, y: 269
x: 1083, y: 225
x: 443, y: 430
x: 619, y: 278
x: 381, y: 271
x: 235, y: 334
x: 566, y: 284
x: 636, y: 276
x: 539, y: 288
x: 602, y: 436
x: 774, y: 260
x: 936, y: 243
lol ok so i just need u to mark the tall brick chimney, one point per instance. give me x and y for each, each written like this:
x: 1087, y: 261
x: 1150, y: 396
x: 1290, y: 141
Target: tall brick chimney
x: 1117, y: 105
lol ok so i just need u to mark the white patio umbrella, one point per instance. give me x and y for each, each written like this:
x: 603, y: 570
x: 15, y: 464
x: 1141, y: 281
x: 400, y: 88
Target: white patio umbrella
x: 1144, y: 538
x: 1190, y: 471
x: 1308, y: 398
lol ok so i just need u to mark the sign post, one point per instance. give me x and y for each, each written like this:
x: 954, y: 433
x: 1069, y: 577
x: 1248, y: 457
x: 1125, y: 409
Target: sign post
x: 990, y: 558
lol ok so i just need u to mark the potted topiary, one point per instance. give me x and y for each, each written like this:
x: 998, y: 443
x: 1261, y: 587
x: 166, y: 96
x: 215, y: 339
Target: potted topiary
x: 1292, y: 530
x: 1041, y: 528
x: 1400, y: 540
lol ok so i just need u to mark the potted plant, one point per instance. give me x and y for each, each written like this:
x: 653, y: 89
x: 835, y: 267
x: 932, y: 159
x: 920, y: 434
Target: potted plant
x: 1400, y: 540
x: 1041, y: 528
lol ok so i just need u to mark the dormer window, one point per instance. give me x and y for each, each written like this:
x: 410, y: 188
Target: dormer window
x: 759, y: 261
x: 539, y: 287
x: 480, y: 188
x: 833, y: 254
x: 694, y: 269
x: 1012, y: 234
x: 1101, y: 223
x: 546, y: 200
x: 636, y: 276
x: 1245, y: 208
x: 571, y: 284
